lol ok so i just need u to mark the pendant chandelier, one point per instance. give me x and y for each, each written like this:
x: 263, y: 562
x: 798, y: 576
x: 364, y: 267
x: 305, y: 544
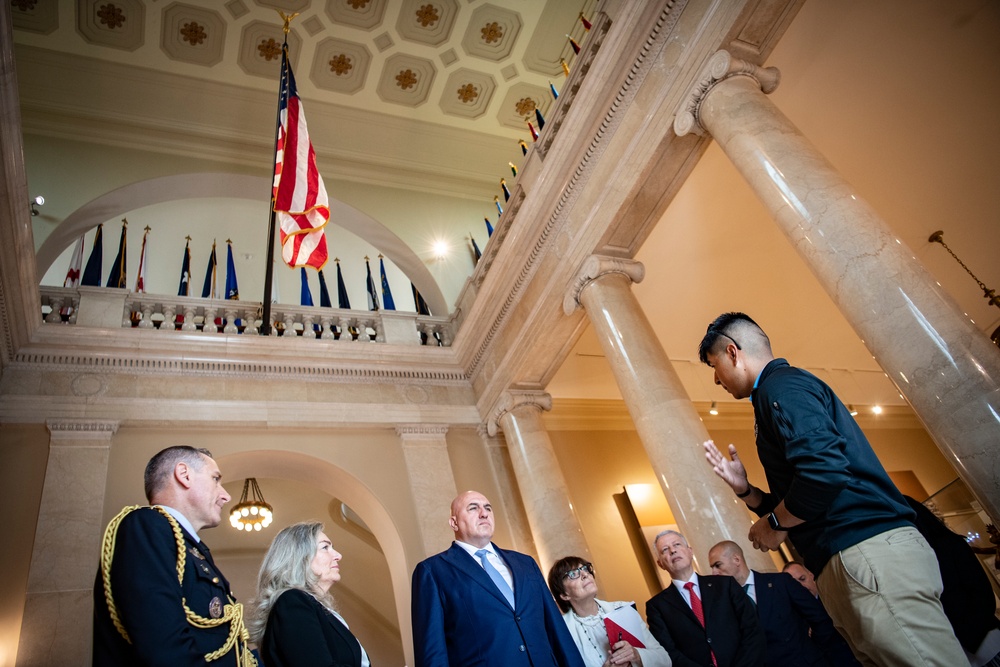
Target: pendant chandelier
x: 989, y: 294
x: 252, y: 512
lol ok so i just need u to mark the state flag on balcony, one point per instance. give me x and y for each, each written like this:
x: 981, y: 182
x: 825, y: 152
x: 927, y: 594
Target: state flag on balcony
x: 489, y: 228
x: 418, y: 301
x: 117, y: 277
x: 373, y: 303
x: 232, y: 289
x: 305, y: 296
x: 75, y: 266
x: 140, y: 279
x: 475, y: 250
x: 324, y: 293
x: 299, y: 195
x: 343, y: 301
x: 387, y: 301
x: 208, y: 289
x: 92, y: 274
x: 184, y: 288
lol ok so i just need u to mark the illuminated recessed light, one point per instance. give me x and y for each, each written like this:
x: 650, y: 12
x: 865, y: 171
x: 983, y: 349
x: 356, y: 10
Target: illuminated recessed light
x: 877, y: 409
x: 852, y: 410
x: 713, y: 410
x: 440, y: 249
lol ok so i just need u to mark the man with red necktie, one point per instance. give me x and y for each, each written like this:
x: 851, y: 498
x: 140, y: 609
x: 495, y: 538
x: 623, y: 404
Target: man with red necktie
x: 702, y: 621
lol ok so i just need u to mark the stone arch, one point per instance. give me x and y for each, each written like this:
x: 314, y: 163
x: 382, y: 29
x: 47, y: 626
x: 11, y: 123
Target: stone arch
x: 338, y: 483
x: 120, y: 201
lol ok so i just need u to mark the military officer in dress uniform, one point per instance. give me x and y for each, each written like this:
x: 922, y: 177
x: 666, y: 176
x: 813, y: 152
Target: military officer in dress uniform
x: 159, y: 599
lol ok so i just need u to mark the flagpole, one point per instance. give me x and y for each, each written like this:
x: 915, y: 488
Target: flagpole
x: 265, y: 325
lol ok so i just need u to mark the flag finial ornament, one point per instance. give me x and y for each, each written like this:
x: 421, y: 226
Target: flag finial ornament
x: 513, y: 168
x: 565, y: 66
x: 287, y: 18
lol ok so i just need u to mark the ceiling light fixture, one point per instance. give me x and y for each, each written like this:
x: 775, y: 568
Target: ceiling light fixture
x: 440, y: 249
x: 877, y: 409
x: 852, y: 410
x: 994, y: 298
x: 37, y: 201
x: 252, y: 512
x: 713, y: 410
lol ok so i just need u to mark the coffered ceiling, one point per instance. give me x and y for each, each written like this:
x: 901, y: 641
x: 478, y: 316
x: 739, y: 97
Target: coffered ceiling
x: 482, y: 66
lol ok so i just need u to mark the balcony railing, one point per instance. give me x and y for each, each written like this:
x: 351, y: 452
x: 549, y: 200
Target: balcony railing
x: 110, y: 307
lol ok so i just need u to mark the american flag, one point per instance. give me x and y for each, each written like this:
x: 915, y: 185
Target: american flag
x: 300, y: 199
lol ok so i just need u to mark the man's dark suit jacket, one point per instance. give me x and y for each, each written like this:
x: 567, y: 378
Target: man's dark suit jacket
x: 787, y: 611
x: 461, y: 618
x: 150, y: 602
x: 731, y: 630
x: 301, y: 632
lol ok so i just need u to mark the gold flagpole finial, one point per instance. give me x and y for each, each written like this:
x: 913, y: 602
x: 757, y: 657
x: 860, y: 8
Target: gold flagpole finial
x: 187, y: 238
x: 125, y: 222
x: 148, y: 228
x: 287, y: 18
x: 337, y: 260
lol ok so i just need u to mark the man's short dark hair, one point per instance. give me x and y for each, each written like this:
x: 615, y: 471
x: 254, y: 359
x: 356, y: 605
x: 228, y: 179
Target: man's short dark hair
x: 723, y: 328
x: 161, y: 466
x: 557, y: 575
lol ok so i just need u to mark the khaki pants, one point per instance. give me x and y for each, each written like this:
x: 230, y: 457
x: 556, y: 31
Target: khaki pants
x: 884, y: 595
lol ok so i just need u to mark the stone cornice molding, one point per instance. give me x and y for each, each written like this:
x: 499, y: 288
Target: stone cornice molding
x: 421, y: 433
x: 82, y: 429
x: 512, y: 399
x: 720, y: 67
x: 593, y: 268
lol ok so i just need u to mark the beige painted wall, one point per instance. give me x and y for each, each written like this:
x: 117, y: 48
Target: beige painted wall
x: 25, y: 451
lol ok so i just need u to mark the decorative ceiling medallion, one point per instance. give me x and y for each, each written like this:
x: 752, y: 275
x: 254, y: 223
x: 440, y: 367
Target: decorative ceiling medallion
x: 35, y: 16
x: 269, y: 49
x: 427, y: 15
x: 192, y: 34
x: 406, y: 80
x: 260, y: 49
x: 492, y: 32
x: 468, y: 93
x: 340, y: 66
x: 119, y: 24
x: 520, y: 101
x: 426, y: 22
x: 525, y: 106
x: 364, y: 14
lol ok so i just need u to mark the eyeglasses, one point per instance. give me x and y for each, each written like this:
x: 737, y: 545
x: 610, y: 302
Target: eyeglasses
x: 719, y: 333
x: 576, y: 573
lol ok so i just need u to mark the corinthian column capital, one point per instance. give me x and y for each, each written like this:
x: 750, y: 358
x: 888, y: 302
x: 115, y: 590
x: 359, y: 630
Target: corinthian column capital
x: 511, y: 400
x: 721, y: 66
x: 593, y: 268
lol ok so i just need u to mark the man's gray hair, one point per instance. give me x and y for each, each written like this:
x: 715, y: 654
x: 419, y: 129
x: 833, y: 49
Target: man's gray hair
x: 669, y: 531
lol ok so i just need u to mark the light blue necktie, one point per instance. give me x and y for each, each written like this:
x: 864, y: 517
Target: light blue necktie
x: 497, y: 578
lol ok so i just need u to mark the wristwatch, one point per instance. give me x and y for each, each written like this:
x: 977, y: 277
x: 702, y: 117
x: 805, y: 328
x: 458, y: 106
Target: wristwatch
x: 772, y: 521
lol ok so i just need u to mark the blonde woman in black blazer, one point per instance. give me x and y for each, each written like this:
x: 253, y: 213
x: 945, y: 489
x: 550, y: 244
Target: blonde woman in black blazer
x: 295, y: 621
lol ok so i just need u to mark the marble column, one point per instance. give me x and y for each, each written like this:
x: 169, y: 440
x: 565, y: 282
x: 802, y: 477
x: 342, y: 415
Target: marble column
x: 554, y: 525
x: 515, y: 517
x: 942, y: 364
x: 667, y: 422
x: 56, y: 629
x: 431, y: 482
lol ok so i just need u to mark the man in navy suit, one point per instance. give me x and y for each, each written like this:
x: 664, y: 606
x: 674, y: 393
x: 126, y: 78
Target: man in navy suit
x: 797, y: 629
x: 477, y: 604
x: 701, y: 621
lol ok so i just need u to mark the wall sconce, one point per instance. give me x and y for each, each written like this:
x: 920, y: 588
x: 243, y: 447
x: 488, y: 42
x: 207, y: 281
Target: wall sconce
x: 37, y: 201
x: 989, y: 294
x: 713, y: 410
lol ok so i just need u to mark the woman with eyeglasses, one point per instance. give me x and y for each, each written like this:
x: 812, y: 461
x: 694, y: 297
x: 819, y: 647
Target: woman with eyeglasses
x: 572, y: 583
